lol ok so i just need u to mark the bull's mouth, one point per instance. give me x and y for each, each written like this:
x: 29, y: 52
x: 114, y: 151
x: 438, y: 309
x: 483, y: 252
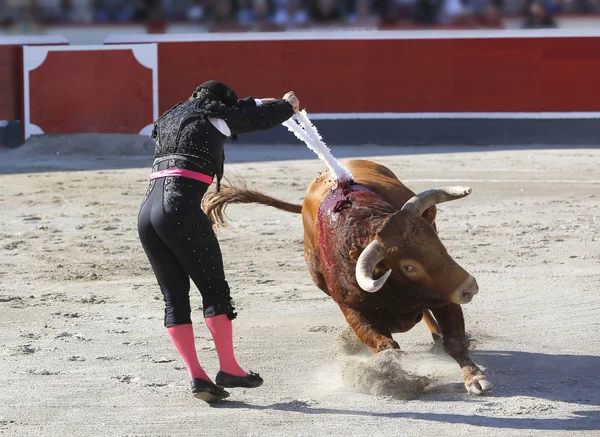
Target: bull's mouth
x: 435, y: 303
x: 423, y: 299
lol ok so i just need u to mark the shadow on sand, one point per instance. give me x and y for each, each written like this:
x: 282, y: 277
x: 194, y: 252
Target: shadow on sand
x: 88, y: 157
x: 564, y: 378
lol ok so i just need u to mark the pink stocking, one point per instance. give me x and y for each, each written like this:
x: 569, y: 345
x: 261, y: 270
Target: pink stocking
x: 183, y: 338
x: 222, y: 332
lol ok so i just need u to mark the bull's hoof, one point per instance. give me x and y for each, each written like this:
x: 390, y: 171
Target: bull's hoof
x: 385, y: 344
x: 478, y: 385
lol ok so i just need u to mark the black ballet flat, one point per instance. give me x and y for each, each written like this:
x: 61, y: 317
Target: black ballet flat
x: 252, y: 380
x: 207, y: 391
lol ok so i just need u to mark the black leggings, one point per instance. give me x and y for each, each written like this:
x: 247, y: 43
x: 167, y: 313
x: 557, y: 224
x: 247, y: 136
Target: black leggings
x: 180, y: 243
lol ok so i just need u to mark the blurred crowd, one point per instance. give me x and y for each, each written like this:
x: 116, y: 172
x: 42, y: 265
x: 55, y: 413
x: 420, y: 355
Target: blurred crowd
x: 288, y: 14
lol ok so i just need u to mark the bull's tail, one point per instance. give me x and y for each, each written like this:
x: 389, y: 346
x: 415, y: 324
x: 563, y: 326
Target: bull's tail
x: 215, y: 203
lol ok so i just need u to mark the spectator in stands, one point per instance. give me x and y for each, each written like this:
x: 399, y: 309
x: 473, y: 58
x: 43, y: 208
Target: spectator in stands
x: 427, y: 12
x: 393, y: 12
x: 114, y: 10
x: 146, y: 10
x: 78, y: 11
x: 8, y: 25
x: 176, y: 10
x: 537, y: 17
x: 22, y: 17
x: 490, y: 17
x: 584, y: 6
x: 479, y: 7
x: 327, y: 12
x: 554, y: 7
x: 254, y: 13
x: 405, y: 9
x: 50, y: 11
x: 224, y: 14
x: 290, y: 14
x: 456, y: 12
x: 196, y: 11
x: 363, y: 15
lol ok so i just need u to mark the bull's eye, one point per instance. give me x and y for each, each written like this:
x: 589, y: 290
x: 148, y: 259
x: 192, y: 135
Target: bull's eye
x: 408, y: 268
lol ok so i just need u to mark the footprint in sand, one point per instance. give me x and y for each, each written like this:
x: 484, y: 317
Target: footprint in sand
x: 162, y: 360
x: 108, y: 358
x: 76, y: 358
x: 14, y: 245
x: 42, y: 372
x: 126, y: 378
x: 10, y: 298
x: 24, y: 349
x: 156, y: 384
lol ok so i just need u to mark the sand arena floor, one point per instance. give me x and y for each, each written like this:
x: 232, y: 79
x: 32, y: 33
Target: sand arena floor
x: 84, y: 353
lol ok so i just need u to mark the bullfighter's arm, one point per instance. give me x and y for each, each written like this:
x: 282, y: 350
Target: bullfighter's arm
x: 247, y: 116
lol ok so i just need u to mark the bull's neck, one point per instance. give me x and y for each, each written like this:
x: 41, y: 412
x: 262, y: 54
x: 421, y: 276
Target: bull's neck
x: 350, y: 214
x: 359, y: 196
x: 358, y: 203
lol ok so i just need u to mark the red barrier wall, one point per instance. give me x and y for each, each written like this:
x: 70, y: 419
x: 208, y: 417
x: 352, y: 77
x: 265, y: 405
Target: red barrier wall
x: 414, y: 75
x: 100, y: 89
x: 11, y: 72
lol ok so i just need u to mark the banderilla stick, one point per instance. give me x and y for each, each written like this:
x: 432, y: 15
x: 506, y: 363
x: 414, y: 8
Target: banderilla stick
x: 305, y: 131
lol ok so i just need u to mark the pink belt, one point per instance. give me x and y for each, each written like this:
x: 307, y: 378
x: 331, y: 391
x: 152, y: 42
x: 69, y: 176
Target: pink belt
x: 182, y: 173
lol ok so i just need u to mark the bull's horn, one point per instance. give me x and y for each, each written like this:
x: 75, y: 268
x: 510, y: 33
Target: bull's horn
x: 365, y: 265
x: 426, y: 199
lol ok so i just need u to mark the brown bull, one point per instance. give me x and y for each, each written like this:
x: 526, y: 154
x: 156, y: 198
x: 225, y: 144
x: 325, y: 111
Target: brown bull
x: 372, y: 245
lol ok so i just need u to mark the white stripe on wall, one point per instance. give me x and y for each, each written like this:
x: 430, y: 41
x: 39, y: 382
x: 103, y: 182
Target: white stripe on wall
x: 454, y: 115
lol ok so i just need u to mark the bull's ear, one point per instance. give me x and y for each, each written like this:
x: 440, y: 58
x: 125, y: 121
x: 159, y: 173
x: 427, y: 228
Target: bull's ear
x: 356, y: 251
x: 430, y: 214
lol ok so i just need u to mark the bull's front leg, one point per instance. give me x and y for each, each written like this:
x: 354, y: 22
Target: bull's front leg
x: 375, y: 336
x: 452, y: 324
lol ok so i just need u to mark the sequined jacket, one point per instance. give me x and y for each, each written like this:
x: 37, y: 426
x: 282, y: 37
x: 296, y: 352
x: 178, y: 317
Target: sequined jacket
x: 186, y: 130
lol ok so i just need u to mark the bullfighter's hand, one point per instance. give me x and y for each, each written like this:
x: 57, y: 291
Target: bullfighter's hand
x: 291, y: 98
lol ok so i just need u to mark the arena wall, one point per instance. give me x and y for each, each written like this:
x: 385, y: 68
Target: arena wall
x: 385, y: 87
x: 11, y: 71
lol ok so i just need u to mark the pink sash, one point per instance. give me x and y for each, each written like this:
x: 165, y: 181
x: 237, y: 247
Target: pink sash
x: 183, y: 173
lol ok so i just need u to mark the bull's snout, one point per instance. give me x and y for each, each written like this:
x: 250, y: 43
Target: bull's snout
x: 465, y: 292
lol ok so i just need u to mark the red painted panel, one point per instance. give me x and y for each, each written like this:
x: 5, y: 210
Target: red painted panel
x: 251, y: 69
x: 570, y: 74
x: 248, y: 68
x: 418, y: 75
x: 570, y: 49
x: 409, y: 76
x: 327, y: 75
x: 496, y: 75
x: 91, y: 91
